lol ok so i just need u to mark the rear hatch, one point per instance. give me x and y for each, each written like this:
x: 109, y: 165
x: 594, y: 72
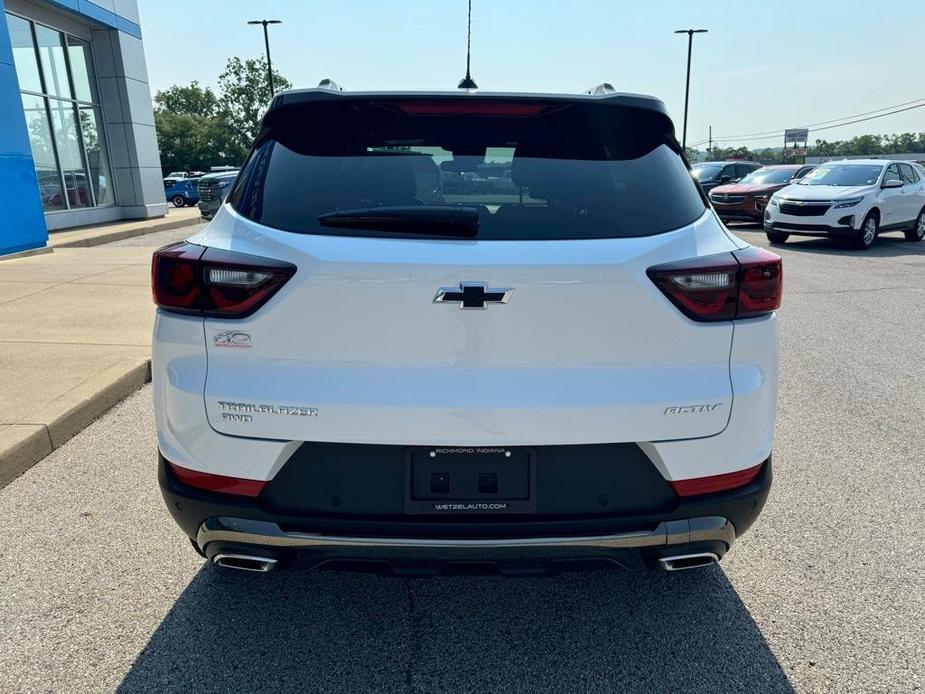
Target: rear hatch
x: 470, y: 271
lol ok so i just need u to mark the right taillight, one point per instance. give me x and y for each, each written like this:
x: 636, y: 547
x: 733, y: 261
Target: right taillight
x: 739, y: 284
x: 186, y: 278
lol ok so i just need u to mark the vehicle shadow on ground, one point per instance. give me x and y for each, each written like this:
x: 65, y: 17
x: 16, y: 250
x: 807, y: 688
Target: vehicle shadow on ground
x: 890, y: 245
x: 339, y: 632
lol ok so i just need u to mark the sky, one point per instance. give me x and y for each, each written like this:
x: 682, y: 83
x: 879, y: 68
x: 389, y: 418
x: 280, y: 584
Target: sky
x: 763, y: 66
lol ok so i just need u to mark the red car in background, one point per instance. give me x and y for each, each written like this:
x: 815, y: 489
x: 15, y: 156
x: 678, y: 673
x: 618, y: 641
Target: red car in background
x: 745, y: 201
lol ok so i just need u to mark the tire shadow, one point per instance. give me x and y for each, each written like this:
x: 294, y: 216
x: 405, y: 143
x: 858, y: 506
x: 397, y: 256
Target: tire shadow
x: 888, y: 245
x: 339, y: 632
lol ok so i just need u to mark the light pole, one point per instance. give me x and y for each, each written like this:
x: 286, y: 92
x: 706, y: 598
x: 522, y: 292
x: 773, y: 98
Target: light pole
x: 266, y: 41
x: 687, y: 88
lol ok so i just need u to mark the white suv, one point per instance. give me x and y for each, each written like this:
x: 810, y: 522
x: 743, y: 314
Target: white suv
x: 854, y: 199
x: 573, y: 361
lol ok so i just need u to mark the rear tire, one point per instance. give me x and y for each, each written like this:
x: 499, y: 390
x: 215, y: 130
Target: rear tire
x: 867, y: 234
x: 178, y: 200
x: 917, y: 232
x: 777, y: 236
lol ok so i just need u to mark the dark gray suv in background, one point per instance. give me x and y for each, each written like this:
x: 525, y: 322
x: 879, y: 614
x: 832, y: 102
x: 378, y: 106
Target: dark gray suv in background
x: 212, y: 191
x: 710, y: 174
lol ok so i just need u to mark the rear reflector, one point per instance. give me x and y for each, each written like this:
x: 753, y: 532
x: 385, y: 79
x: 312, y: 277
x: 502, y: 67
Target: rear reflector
x: 716, y: 483
x: 465, y: 107
x: 217, y: 483
x: 741, y: 284
x: 186, y: 278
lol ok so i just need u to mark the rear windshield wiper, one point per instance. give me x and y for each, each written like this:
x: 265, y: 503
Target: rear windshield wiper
x: 430, y: 220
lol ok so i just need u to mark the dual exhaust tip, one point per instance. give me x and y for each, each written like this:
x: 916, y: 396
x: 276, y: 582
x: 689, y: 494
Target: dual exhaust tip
x: 680, y: 562
x: 249, y: 562
x: 246, y: 562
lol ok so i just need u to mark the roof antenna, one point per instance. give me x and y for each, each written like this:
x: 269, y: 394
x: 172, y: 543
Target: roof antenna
x: 467, y: 82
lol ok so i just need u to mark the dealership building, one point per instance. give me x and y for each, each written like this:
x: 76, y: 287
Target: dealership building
x: 77, y: 141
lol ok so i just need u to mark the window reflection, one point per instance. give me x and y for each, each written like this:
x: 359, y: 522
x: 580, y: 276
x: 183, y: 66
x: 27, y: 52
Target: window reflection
x: 98, y: 162
x: 63, y: 118
x: 27, y: 67
x: 64, y: 127
x: 54, y: 66
x: 81, y: 69
x: 43, y: 152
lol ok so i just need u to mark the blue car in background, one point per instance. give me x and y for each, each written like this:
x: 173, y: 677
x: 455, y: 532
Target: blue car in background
x: 181, y: 192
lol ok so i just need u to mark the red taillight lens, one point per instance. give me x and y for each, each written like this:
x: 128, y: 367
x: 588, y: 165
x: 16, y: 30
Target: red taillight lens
x: 175, y: 277
x: 471, y: 107
x: 740, y: 284
x: 218, y: 483
x: 761, y: 282
x: 716, y: 483
x: 187, y: 278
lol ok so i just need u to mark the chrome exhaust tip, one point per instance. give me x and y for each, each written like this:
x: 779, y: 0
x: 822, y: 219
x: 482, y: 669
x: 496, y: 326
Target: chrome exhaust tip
x: 245, y: 562
x: 680, y: 562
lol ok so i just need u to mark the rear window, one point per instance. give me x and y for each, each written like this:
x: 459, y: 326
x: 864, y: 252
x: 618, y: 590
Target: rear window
x: 562, y: 173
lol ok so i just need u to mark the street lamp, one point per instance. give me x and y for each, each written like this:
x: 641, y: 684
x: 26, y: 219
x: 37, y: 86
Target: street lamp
x: 266, y: 41
x: 687, y: 89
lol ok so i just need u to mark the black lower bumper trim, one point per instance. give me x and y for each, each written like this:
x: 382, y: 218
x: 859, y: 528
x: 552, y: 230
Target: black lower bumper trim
x: 808, y: 229
x: 191, y: 508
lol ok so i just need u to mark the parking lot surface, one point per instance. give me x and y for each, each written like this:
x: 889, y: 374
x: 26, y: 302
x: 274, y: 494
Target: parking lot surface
x: 100, y: 591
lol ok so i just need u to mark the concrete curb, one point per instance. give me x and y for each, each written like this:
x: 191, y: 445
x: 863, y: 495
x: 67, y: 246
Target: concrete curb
x: 120, y: 234
x: 22, y: 445
x: 27, y: 254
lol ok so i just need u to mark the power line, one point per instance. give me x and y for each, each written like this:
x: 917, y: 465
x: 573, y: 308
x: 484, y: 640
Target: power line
x: 780, y: 133
x: 826, y: 122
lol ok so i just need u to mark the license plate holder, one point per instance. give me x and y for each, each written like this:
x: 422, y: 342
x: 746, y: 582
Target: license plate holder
x: 444, y: 480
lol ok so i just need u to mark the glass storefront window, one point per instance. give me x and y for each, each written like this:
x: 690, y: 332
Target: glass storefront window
x: 97, y: 161
x: 43, y: 152
x: 81, y: 69
x: 54, y: 66
x: 70, y: 156
x: 27, y: 67
x: 63, y: 117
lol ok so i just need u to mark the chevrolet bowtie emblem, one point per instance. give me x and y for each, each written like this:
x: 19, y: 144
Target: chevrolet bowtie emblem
x: 472, y: 295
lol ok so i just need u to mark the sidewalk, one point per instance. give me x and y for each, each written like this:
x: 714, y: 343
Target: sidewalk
x: 75, y: 339
x: 117, y: 231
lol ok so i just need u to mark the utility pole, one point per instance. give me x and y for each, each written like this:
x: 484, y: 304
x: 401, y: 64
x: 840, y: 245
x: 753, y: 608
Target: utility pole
x: 266, y: 42
x: 710, y: 145
x: 687, y: 88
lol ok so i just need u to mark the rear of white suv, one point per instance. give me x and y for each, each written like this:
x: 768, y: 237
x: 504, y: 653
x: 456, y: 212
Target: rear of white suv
x: 571, y: 361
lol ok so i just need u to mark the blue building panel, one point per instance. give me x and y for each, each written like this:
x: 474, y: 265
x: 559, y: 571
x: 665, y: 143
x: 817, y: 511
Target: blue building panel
x: 100, y: 15
x: 23, y: 221
x: 14, y: 138
x: 22, y: 225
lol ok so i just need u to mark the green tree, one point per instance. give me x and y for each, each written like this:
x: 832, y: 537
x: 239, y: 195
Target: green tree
x: 190, y: 98
x: 244, y: 96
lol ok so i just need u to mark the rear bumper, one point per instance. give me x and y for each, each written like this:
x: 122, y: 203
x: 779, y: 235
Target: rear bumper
x: 221, y: 524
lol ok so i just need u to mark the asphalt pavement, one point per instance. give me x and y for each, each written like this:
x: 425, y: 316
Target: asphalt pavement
x: 99, y: 591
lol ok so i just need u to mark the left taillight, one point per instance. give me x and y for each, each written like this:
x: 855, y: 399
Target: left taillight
x: 192, y: 279
x: 740, y: 284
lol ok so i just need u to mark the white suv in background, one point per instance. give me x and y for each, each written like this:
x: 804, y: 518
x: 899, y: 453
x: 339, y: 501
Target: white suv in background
x: 359, y: 359
x: 855, y: 199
